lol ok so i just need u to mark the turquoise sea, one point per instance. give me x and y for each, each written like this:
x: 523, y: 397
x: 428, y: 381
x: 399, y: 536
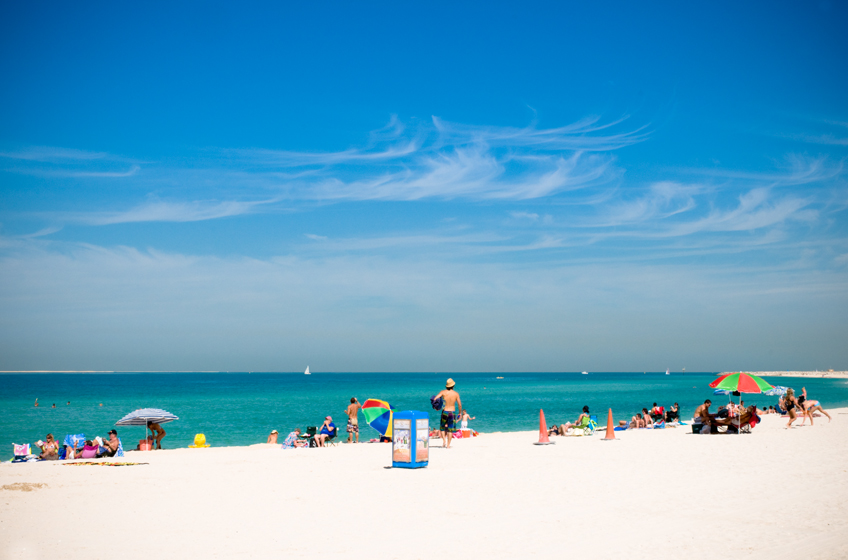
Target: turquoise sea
x: 242, y: 408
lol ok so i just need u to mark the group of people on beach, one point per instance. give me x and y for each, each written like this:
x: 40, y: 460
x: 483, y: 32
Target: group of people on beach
x: 77, y: 447
x: 51, y: 450
x: 733, y: 416
x: 448, y: 399
x: 790, y: 405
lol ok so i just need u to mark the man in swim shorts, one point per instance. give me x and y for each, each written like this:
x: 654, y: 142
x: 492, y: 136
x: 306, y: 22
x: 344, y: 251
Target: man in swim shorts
x: 352, y: 412
x: 447, y: 424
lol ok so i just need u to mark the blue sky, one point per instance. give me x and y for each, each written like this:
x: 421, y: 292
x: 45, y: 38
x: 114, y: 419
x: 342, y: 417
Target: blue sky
x: 432, y: 186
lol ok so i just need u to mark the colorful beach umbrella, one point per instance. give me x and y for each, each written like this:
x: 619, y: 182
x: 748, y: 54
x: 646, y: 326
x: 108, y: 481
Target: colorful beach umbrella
x: 742, y: 382
x: 378, y: 414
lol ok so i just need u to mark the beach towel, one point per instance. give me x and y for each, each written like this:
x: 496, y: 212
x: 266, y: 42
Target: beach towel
x: 21, y: 450
x: 103, y: 464
x: 74, y: 440
x: 120, y: 451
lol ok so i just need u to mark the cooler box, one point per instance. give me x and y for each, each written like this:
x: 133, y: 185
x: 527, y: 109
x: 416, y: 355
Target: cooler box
x: 410, y: 439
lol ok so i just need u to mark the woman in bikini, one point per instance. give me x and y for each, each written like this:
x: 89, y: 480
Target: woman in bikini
x: 810, y: 407
x: 50, y: 449
x: 790, y: 402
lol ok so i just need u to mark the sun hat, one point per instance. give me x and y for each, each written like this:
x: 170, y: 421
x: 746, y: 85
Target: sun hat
x: 450, y: 383
x: 274, y: 432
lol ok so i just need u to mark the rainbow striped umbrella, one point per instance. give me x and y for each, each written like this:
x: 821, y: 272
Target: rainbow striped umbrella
x: 378, y: 414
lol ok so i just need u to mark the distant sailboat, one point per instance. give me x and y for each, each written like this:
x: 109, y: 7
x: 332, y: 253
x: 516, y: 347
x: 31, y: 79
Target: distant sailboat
x: 666, y: 371
x: 307, y: 371
x: 585, y: 373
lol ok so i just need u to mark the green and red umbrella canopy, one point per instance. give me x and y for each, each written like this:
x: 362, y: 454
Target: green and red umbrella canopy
x: 742, y: 382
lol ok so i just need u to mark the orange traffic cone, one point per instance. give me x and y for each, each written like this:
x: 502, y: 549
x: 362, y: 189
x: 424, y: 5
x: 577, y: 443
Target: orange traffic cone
x: 610, y: 428
x: 543, y: 431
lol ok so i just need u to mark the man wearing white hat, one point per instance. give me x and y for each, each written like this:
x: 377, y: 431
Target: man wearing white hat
x: 449, y: 412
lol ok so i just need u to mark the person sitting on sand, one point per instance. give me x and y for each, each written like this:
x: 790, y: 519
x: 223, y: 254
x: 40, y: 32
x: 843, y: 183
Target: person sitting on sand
x: 673, y: 413
x: 158, y: 433
x: 49, y: 449
x: 89, y: 451
x: 292, y: 440
x: 273, y: 437
x: 582, y: 421
x: 702, y: 415
x: 112, y: 444
x: 646, y: 416
x: 328, y: 430
x: 637, y: 422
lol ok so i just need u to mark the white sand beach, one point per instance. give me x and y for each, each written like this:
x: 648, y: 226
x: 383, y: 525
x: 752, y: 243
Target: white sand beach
x: 772, y: 494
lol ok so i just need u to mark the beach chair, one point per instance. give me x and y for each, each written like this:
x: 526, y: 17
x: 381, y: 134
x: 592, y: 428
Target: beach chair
x: 584, y: 428
x: 333, y: 439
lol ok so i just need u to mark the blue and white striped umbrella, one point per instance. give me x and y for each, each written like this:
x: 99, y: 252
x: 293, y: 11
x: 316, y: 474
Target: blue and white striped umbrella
x: 142, y: 416
x: 776, y: 391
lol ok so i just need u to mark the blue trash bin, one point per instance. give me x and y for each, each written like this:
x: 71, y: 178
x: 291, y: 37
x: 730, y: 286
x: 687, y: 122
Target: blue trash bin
x: 410, y: 439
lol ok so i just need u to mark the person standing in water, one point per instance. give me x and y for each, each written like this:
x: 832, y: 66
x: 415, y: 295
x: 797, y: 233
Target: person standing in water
x: 447, y: 424
x: 352, y: 412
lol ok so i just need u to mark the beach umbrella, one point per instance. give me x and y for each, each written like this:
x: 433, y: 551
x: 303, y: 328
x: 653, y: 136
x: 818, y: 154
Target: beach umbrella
x: 741, y: 382
x: 378, y: 414
x: 142, y: 416
x: 776, y: 391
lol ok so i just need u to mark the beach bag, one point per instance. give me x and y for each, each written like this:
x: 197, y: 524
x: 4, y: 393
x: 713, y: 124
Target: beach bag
x: 437, y: 404
x: 21, y: 450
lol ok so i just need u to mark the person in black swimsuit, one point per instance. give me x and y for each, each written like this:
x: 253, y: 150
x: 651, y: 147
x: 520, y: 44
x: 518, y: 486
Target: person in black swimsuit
x: 790, y: 402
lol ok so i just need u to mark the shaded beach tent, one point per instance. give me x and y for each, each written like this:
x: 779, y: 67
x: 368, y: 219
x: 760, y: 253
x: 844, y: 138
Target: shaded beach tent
x: 142, y: 416
x: 379, y: 414
x: 741, y: 382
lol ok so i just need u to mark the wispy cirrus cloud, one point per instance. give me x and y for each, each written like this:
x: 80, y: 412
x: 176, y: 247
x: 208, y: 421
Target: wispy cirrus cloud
x: 162, y: 211
x: 442, y: 160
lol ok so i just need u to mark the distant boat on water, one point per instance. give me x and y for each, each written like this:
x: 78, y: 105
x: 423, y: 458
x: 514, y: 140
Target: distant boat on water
x: 307, y: 371
x: 666, y: 371
x: 584, y: 373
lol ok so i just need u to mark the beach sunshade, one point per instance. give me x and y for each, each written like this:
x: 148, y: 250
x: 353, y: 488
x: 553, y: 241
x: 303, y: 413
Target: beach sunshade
x: 742, y: 382
x: 142, y: 416
x: 378, y: 414
x: 776, y: 391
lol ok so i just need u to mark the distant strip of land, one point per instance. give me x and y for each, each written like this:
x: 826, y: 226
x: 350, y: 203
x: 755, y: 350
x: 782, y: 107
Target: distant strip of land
x: 828, y: 374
